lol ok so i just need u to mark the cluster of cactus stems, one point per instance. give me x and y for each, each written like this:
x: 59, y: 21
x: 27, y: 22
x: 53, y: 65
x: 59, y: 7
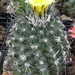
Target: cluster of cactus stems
x: 39, y: 44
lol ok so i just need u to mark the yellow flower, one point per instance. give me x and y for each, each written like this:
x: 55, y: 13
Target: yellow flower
x: 39, y: 6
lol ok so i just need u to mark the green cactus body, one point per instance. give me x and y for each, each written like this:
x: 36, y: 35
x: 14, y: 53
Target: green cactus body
x: 38, y: 45
x: 69, y: 7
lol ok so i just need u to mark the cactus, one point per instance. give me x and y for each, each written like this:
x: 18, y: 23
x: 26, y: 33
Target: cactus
x: 39, y: 44
x: 69, y: 6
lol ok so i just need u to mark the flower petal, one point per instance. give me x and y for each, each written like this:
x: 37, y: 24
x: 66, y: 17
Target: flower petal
x: 72, y: 35
x: 72, y: 31
x: 39, y: 6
